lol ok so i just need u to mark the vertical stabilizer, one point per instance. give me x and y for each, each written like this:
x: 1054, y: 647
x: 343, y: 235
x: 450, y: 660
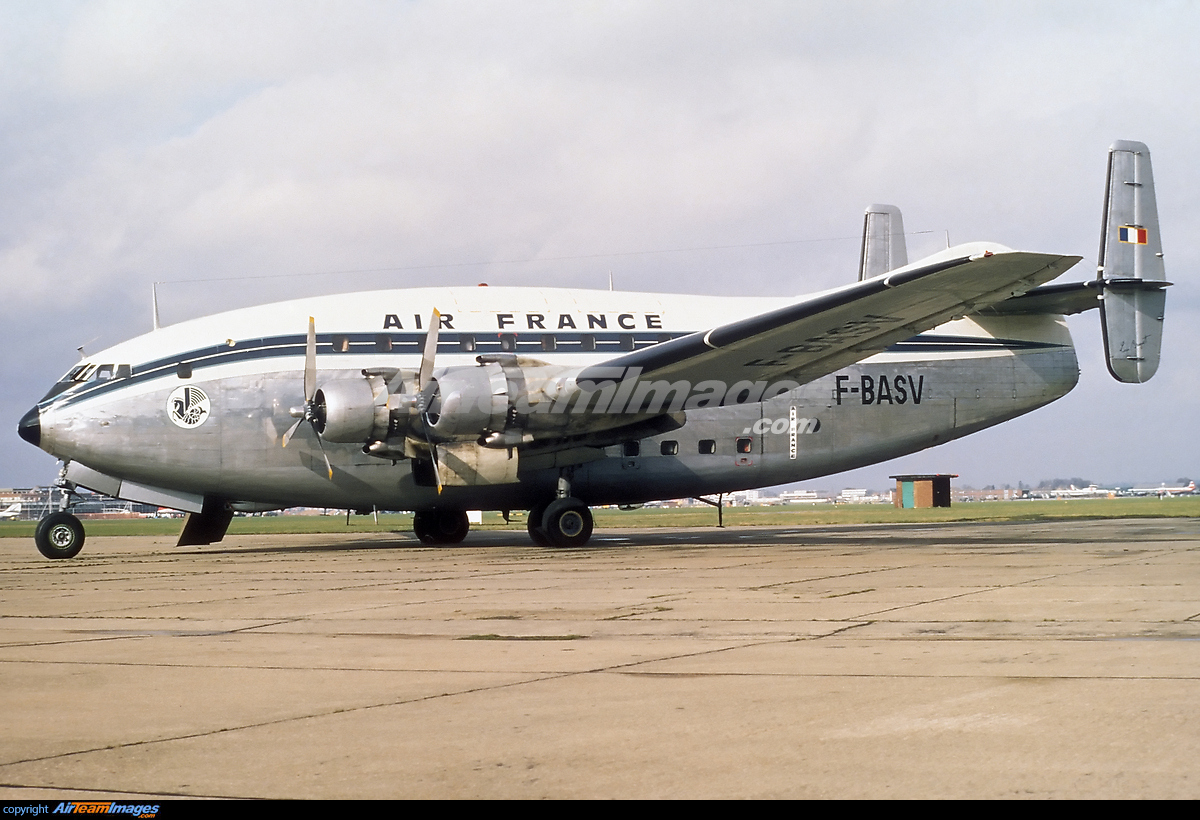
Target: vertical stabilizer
x: 883, y: 247
x: 1131, y: 266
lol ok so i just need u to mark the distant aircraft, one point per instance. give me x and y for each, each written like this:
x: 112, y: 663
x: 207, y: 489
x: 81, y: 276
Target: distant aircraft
x: 1091, y: 491
x: 442, y: 400
x: 1190, y: 489
x: 13, y: 511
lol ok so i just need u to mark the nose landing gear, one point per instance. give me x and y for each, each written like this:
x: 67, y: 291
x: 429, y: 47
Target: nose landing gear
x: 59, y: 535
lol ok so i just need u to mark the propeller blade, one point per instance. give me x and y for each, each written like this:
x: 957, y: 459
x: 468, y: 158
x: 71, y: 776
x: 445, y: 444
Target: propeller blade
x: 291, y: 431
x: 437, y: 467
x: 310, y: 361
x: 321, y: 444
x: 431, y: 340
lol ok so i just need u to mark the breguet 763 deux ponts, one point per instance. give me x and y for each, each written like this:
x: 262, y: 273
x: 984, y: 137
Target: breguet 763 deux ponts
x: 443, y: 400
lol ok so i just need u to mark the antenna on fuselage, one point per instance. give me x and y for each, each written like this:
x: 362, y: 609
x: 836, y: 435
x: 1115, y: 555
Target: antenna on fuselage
x: 610, y: 287
x: 82, y: 353
x: 154, y: 302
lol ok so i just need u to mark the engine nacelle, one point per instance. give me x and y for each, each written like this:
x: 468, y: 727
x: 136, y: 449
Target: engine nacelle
x: 353, y: 410
x: 469, y: 402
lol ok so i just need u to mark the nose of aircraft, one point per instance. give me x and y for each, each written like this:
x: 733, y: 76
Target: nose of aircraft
x: 30, y: 427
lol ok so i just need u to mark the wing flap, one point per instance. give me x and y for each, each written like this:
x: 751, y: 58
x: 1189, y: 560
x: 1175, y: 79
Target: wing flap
x: 818, y: 336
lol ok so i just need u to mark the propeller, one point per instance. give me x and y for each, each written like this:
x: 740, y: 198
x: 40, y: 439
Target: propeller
x: 309, y: 412
x: 424, y: 395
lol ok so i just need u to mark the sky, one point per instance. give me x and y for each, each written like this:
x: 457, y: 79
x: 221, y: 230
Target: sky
x: 245, y: 152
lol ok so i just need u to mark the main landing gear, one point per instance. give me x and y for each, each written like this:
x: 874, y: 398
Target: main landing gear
x: 59, y: 535
x: 440, y: 527
x: 563, y: 522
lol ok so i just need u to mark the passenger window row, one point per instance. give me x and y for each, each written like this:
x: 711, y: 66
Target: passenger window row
x: 705, y: 447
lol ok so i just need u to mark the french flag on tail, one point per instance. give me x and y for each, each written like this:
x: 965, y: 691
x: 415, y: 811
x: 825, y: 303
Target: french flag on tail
x: 1131, y: 235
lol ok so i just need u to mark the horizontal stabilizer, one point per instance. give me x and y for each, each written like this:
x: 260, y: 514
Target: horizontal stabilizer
x: 1063, y: 300
x: 1130, y: 266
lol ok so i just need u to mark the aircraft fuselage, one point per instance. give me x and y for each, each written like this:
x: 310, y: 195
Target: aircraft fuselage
x: 197, y: 410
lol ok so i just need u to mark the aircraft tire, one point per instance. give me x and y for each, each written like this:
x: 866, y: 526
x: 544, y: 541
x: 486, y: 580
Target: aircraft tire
x: 537, y: 532
x: 440, y: 527
x: 59, y: 535
x: 567, y: 522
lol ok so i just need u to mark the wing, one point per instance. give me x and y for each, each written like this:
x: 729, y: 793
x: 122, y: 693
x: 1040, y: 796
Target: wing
x: 827, y: 332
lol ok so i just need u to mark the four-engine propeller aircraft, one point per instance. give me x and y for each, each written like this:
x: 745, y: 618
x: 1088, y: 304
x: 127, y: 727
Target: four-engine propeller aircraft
x: 1188, y: 489
x: 442, y: 400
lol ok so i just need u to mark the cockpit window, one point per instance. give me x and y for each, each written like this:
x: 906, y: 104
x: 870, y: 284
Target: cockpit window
x: 89, y: 372
x: 97, y: 373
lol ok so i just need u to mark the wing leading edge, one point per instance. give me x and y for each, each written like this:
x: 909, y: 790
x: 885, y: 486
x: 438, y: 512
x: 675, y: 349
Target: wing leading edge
x: 823, y: 334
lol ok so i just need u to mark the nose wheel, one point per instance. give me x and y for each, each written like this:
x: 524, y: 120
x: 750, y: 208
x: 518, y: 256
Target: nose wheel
x: 59, y: 535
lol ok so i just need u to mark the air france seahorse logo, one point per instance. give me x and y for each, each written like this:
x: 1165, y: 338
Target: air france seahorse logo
x: 187, y: 407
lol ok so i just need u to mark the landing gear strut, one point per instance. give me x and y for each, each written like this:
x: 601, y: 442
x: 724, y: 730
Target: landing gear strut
x: 59, y: 535
x: 440, y: 526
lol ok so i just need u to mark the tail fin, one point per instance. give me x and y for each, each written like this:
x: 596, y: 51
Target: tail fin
x: 1130, y: 266
x: 883, y: 247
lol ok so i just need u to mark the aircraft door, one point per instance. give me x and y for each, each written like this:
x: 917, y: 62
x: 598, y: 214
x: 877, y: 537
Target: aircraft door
x: 748, y: 446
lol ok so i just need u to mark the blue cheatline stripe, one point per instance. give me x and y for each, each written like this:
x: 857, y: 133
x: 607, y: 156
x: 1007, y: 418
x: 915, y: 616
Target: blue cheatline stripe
x: 529, y: 344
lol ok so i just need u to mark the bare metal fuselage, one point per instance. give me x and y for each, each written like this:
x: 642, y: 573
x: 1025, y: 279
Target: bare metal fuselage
x: 961, y: 377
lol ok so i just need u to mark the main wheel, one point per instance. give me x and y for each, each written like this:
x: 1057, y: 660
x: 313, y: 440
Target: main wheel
x: 441, y: 526
x: 567, y: 522
x: 534, y: 524
x: 59, y: 535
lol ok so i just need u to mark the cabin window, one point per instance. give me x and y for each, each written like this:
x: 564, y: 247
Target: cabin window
x: 184, y: 371
x: 383, y: 343
x: 548, y: 341
x: 669, y: 448
x: 664, y: 337
x: 626, y: 341
x: 632, y: 449
x: 508, y: 342
x: 466, y: 343
x: 587, y: 342
x: 707, y: 446
x: 341, y: 344
x: 745, y: 445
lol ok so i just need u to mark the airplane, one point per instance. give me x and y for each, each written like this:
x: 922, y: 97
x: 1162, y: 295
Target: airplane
x: 12, y: 511
x: 1190, y: 489
x: 1091, y: 491
x: 441, y: 400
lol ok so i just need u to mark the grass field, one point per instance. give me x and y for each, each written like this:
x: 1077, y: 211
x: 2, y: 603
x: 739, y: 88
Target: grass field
x: 845, y: 514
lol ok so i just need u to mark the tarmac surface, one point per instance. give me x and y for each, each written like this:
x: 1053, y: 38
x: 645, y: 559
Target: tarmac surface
x: 1057, y: 659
